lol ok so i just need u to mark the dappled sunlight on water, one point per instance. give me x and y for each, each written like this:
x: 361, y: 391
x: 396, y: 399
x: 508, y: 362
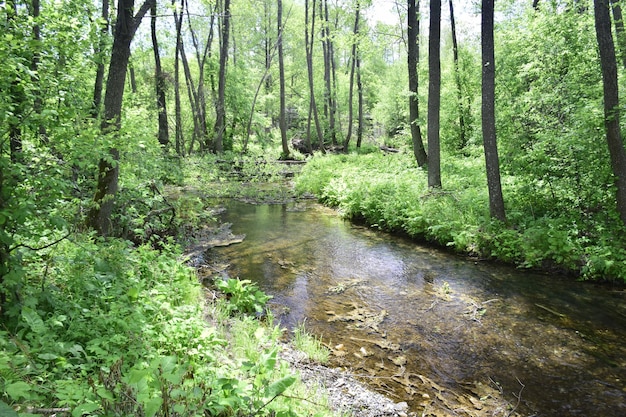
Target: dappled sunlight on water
x: 424, y: 326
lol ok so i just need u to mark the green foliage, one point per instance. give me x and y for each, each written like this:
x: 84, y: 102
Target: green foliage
x: 243, y: 296
x: 113, y: 330
x: 389, y: 193
x: 310, y: 345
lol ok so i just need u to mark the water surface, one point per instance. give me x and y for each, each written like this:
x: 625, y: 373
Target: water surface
x: 426, y: 326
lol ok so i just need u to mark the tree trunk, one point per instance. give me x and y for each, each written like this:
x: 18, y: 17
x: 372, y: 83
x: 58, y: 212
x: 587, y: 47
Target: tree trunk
x: 180, y: 142
x: 413, y: 60
x: 355, y: 42
x: 492, y: 161
x: 99, y: 54
x: 220, y: 110
x: 457, y: 79
x: 309, y: 62
x: 328, y: 74
x: 126, y: 25
x: 359, y: 88
x: 163, y: 135
x: 434, y: 94
x: 620, y: 33
x: 608, y: 62
x: 282, y: 123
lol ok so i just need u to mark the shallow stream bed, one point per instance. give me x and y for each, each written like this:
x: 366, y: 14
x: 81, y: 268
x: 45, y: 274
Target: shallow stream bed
x: 431, y: 328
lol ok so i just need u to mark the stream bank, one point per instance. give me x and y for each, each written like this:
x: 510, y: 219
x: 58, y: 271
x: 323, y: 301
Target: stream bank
x: 429, y: 328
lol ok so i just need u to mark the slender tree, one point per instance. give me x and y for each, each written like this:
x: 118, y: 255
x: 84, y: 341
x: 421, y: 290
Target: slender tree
x: 159, y: 79
x: 282, y: 122
x: 359, y: 88
x: 355, y: 43
x: 309, y: 62
x: 608, y: 64
x: 457, y: 78
x: 496, y: 201
x: 126, y: 25
x: 413, y: 29
x: 220, y: 108
x: 178, y: 123
x: 434, y: 94
x: 100, y: 57
x: 620, y: 33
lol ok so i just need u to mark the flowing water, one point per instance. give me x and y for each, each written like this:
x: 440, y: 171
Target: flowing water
x: 424, y: 326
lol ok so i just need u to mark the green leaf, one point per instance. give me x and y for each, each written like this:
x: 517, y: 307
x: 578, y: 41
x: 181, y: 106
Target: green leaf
x: 152, y: 406
x: 279, y: 386
x: 6, y: 410
x: 86, y: 408
x: 33, y: 320
x: 17, y: 390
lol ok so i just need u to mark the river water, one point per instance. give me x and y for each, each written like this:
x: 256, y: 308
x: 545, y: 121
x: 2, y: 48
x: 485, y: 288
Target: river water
x: 425, y: 326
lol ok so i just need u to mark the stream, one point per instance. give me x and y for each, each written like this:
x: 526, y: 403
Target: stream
x: 425, y: 326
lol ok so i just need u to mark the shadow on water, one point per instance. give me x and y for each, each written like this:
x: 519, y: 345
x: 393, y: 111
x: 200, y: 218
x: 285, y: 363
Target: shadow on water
x: 401, y: 315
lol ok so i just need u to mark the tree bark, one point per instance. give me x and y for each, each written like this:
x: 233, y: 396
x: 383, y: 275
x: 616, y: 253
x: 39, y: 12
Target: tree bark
x: 159, y: 78
x: 126, y: 25
x: 413, y: 60
x: 309, y: 61
x: 220, y: 110
x: 178, y: 130
x: 434, y: 94
x: 608, y: 63
x: 359, y: 89
x: 620, y: 33
x: 355, y: 42
x: 282, y: 122
x: 99, y: 54
x: 457, y: 79
x: 492, y: 161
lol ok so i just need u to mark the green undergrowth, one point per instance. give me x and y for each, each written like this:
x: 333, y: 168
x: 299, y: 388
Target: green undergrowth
x: 548, y: 226
x: 103, y: 328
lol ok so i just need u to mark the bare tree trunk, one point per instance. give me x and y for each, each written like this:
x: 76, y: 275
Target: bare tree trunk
x: 99, y: 54
x: 457, y: 79
x: 309, y: 61
x: 620, y: 33
x: 282, y: 123
x: 434, y: 94
x: 359, y: 87
x: 220, y: 110
x: 126, y: 25
x: 163, y: 135
x: 355, y: 42
x: 492, y: 161
x: 608, y: 63
x: 413, y: 30
x: 180, y: 141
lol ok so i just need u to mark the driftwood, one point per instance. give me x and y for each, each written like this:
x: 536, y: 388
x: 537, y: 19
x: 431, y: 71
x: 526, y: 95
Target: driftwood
x: 388, y: 149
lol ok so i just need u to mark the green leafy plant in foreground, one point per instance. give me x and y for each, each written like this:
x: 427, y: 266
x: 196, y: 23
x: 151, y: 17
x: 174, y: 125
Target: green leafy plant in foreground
x: 243, y: 296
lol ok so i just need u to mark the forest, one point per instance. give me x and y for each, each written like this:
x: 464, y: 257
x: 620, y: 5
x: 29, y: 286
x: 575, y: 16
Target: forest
x: 493, y: 130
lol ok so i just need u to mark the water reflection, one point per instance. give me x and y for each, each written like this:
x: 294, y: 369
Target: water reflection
x: 403, y: 311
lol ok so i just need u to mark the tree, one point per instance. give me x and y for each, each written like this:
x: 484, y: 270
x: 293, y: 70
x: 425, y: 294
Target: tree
x: 126, y: 25
x: 282, y: 122
x: 309, y: 64
x: 220, y: 109
x: 620, y: 33
x: 353, y: 59
x: 413, y: 61
x: 492, y: 161
x: 99, y: 47
x: 457, y: 79
x: 159, y: 79
x: 434, y: 94
x: 608, y: 64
